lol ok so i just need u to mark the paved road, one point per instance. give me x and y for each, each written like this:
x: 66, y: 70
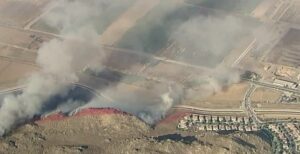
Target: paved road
x: 247, y: 105
x: 274, y: 111
x: 272, y: 86
x: 227, y: 110
x: 199, y: 109
x: 183, y: 107
x: 83, y: 86
x: 46, y: 11
x: 245, y: 52
x: 163, y: 59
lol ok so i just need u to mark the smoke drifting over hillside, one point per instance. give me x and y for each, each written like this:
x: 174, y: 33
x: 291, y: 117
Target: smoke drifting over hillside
x: 61, y: 61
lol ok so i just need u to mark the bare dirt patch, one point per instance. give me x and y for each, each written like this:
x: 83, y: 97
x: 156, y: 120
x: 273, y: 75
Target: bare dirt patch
x: 13, y: 73
x: 18, y: 13
x: 287, y: 51
x: 128, y: 19
x: 263, y: 96
x: 231, y: 97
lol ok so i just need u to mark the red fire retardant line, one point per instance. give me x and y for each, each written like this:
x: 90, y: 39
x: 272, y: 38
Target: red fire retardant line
x: 85, y: 112
x: 105, y: 111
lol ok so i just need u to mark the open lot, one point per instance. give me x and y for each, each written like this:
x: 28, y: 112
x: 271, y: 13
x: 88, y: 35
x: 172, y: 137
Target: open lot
x: 276, y: 116
x: 155, y: 32
x: 287, y: 51
x: 151, y: 33
x: 101, y: 21
x: 127, y: 20
x: 279, y: 106
x: 19, y: 13
x: 12, y: 74
x: 293, y: 14
x: 231, y: 97
x: 171, y: 72
x: 21, y: 38
x: 233, y: 6
x: 18, y: 55
x: 15, y: 65
x: 264, y: 96
x: 149, y: 68
x: 125, y: 61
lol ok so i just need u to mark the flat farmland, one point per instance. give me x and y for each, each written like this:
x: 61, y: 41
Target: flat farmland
x: 155, y: 34
x: 19, y: 55
x: 264, y: 96
x: 20, y: 38
x: 287, y: 51
x: 101, y: 21
x: 3, y: 64
x: 233, y: 6
x: 19, y: 13
x: 127, y: 20
x: 13, y: 73
x: 293, y: 14
x: 278, y: 106
x: 168, y: 71
x: 126, y: 61
x: 231, y: 97
x: 151, y: 33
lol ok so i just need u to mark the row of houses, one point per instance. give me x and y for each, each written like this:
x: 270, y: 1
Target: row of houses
x: 197, y: 118
x: 288, y: 134
x: 285, y: 83
x: 216, y: 123
x: 286, y: 99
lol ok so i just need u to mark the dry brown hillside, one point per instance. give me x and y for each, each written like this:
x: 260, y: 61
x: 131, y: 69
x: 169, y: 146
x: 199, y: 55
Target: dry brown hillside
x: 121, y: 134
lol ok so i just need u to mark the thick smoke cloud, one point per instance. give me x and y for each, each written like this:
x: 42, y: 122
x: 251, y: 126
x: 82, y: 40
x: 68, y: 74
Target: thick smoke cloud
x: 61, y: 60
x: 68, y: 15
x: 150, y: 105
x: 71, y: 55
x: 213, y: 82
x: 19, y: 108
x: 210, y: 39
x: 210, y: 35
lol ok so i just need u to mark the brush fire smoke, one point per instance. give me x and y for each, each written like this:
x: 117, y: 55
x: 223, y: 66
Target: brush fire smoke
x: 62, y: 59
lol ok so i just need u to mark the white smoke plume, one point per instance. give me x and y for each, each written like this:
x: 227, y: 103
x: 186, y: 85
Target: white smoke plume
x: 19, y: 108
x: 150, y: 105
x: 211, y: 38
x: 158, y: 111
x: 68, y: 15
x: 60, y: 61
x: 210, y: 34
